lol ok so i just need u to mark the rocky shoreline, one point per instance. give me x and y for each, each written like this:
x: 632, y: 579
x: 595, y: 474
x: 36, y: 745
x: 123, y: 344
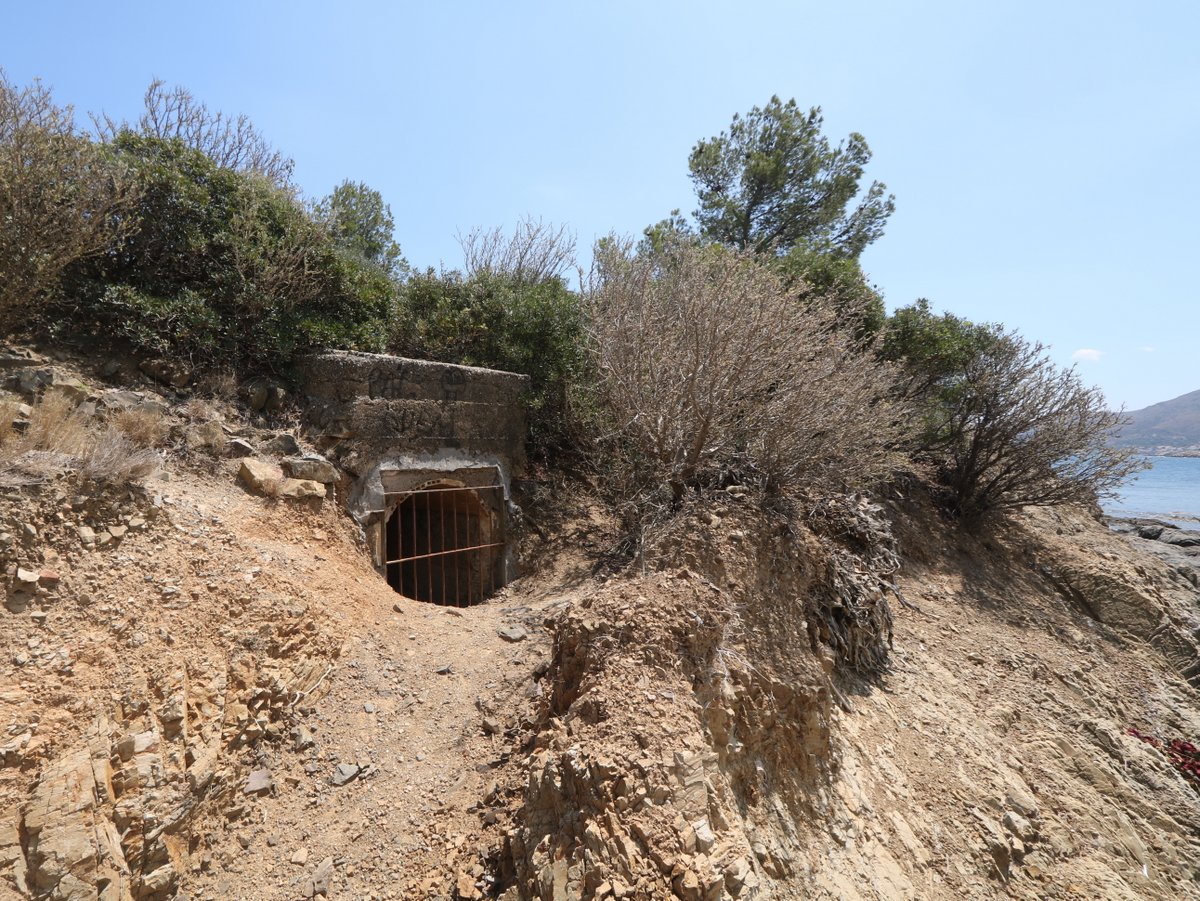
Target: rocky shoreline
x: 1177, y: 546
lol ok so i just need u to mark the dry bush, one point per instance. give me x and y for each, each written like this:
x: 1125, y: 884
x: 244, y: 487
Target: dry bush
x: 57, y: 424
x: 535, y: 252
x: 112, y: 456
x: 1013, y: 430
x: 62, y: 198
x: 144, y: 426
x: 9, y: 410
x: 711, y: 367
x: 229, y: 141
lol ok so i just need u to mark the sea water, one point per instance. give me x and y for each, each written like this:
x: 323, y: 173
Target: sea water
x: 1169, y: 490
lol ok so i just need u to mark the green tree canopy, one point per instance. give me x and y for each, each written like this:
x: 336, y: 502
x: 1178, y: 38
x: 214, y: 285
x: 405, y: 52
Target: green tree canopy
x: 773, y: 182
x: 362, y: 224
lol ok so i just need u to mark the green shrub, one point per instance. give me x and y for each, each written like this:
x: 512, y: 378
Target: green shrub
x: 500, y: 322
x: 225, y: 267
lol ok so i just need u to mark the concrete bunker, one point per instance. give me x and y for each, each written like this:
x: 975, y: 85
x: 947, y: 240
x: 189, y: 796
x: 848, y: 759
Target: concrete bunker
x: 432, y: 448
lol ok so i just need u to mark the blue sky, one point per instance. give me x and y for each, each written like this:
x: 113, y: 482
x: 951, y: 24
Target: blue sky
x: 1043, y: 155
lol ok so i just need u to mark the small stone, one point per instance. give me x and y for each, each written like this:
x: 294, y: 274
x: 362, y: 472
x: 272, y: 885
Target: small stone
x: 513, y: 633
x: 27, y: 579
x: 492, y: 726
x: 369, y: 707
x: 300, y: 858
x: 444, y: 669
x: 118, y: 532
x: 260, y: 782
x: 49, y: 578
x: 321, y: 877
x: 302, y: 739
x: 345, y: 772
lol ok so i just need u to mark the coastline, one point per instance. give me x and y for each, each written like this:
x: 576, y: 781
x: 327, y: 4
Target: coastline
x: 1177, y: 546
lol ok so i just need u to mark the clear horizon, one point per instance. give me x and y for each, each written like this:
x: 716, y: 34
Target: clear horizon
x: 1040, y: 154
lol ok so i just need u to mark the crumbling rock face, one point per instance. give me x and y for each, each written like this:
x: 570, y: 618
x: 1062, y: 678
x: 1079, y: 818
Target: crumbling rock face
x: 686, y: 741
x: 112, y: 818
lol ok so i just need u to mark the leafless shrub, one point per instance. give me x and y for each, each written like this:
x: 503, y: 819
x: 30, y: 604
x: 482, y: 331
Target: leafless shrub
x: 536, y: 251
x: 62, y: 198
x: 1016, y: 430
x: 232, y: 142
x: 708, y: 365
x: 111, y: 456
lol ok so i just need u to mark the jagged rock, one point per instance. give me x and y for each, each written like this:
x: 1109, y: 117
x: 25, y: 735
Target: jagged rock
x: 300, y: 857
x: 259, y: 782
x: 513, y: 633
x: 344, y: 772
x: 313, y: 467
x: 261, y: 476
x: 26, y: 579
x: 299, y: 489
x: 240, y: 447
x: 283, y: 445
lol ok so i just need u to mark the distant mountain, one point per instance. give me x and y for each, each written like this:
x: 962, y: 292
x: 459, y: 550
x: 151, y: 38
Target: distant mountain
x: 1174, y: 423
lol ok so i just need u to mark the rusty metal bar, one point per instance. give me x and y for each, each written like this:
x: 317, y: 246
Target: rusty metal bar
x: 478, y: 585
x: 457, y: 550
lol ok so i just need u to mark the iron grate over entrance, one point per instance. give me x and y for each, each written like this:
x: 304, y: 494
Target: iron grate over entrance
x: 444, y: 545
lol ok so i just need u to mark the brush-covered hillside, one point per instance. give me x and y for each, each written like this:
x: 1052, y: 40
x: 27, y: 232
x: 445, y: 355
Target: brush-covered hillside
x: 1172, y: 423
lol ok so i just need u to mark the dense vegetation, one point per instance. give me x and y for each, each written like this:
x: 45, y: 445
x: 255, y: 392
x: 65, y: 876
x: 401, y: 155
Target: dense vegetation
x: 744, y: 344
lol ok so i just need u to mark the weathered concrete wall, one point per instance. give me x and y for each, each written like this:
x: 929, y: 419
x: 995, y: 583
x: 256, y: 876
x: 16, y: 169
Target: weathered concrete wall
x: 369, y: 407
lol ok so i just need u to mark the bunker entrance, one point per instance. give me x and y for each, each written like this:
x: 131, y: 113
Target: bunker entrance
x: 444, y: 544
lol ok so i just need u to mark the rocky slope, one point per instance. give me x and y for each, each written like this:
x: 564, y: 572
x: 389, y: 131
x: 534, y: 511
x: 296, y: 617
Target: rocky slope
x: 207, y: 692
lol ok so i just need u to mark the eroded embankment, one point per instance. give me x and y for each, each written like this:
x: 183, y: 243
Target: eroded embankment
x: 702, y: 739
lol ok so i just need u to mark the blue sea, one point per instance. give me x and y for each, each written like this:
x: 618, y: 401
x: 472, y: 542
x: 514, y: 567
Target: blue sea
x: 1169, y: 490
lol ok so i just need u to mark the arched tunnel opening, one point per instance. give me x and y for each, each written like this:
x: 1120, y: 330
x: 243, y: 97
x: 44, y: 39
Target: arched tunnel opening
x: 445, y: 545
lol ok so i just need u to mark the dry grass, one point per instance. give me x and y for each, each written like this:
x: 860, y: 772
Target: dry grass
x: 144, y: 427
x: 59, y: 436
